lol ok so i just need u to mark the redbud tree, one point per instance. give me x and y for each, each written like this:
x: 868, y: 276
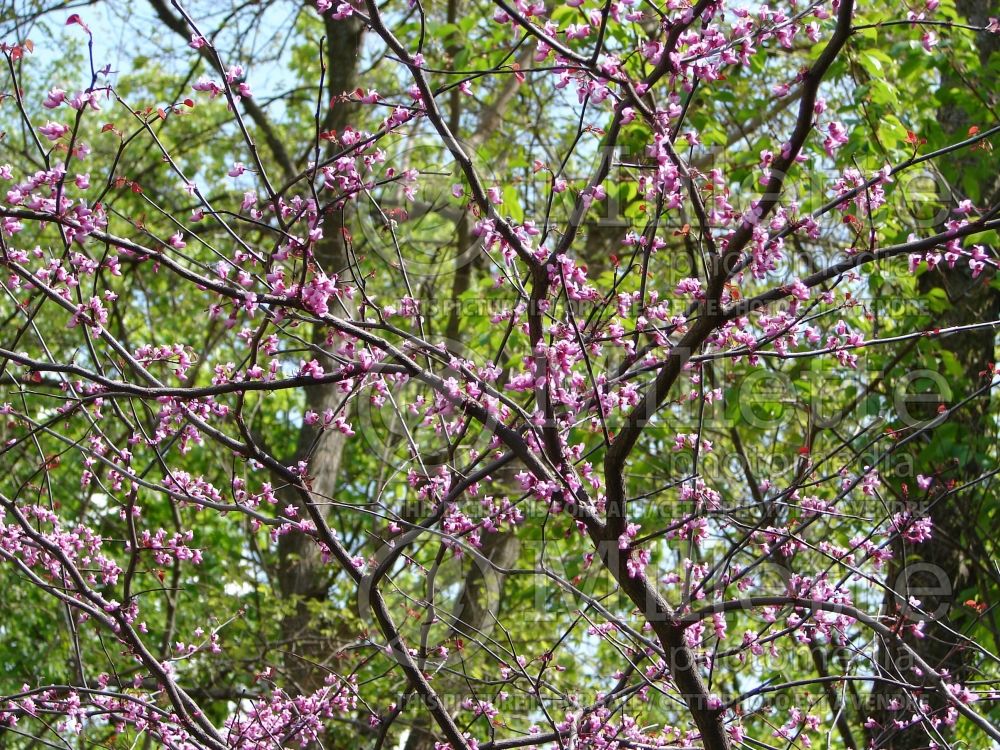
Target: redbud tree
x: 499, y: 374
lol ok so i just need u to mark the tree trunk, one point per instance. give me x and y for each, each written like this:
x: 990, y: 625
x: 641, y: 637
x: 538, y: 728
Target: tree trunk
x: 947, y: 556
x: 302, y: 575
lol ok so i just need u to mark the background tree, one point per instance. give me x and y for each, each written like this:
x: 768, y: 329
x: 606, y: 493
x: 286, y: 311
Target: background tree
x: 498, y: 375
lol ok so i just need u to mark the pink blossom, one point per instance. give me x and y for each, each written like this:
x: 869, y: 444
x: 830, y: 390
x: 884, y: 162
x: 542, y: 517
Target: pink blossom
x: 836, y: 137
x: 913, y: 530
x: 208, y: 85
x: 53, y: 130
x: 54, y: 98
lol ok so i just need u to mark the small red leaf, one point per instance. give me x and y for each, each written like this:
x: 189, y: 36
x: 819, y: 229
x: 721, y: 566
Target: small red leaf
x: 75, y: 19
